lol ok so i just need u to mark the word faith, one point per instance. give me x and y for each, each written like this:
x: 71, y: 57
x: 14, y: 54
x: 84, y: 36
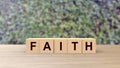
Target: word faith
x: 60, y: 45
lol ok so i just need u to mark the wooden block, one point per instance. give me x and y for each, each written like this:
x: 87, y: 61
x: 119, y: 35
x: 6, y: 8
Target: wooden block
x: 74, y: 45
x: 60, y: 45
x: 46, y: 45
x: 89, y: 45
x: 32, y: 45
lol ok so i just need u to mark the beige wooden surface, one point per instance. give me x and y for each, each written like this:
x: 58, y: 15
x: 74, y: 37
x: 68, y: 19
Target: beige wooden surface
x: 14, y: 56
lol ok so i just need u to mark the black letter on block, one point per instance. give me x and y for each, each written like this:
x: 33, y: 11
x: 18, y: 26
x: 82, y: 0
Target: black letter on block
x: 60, y: 45
x: 89, y: 45
x: 74, y: 45
x: 47, y: 46
x: 32, y: 45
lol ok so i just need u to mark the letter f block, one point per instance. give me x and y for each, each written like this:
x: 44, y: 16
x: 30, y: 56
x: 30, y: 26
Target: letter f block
x: 32, y: 45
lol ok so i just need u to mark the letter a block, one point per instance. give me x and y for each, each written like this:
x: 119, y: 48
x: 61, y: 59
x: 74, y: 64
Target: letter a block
x: 89, y: 45
x: 74, y: 45
x: 32, y: 45
x: 60, y: 45
x: 46, y: 45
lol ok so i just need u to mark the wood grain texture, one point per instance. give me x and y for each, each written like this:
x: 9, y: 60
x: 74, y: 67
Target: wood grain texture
x: 14, y: 56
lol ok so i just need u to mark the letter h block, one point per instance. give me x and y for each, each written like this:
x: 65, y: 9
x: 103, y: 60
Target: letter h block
x: 88, y: 45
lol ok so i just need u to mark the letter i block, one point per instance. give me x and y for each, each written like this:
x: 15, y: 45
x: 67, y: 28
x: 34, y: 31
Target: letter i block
x: 46, y: 45
x: 74, y: 45
x: 60, y: 45
x: 89, y: 45
x: 32, y: 45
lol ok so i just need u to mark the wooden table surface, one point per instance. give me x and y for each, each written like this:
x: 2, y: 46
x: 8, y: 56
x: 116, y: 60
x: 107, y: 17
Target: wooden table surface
x: 14, y: 56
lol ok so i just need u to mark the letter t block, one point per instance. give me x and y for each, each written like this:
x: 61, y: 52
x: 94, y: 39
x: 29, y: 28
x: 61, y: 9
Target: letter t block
x: 74, y: 45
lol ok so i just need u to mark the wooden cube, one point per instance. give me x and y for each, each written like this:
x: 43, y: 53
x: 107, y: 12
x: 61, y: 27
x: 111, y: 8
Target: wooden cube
x: 46, y: 45
x: 89, y: 45
x: 60, y: 45
x: 32, y: 45
x: 74, y: 45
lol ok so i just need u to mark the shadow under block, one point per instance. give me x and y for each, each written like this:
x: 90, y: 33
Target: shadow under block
x: 46, y: 45
x: 32, y: 45
x: 88, y: 45
x: 60, y: 45
x: 74, y: 45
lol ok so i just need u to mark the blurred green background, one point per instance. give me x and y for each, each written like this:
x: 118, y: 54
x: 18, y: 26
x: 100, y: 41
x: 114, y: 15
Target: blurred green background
x: 21, y: 19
